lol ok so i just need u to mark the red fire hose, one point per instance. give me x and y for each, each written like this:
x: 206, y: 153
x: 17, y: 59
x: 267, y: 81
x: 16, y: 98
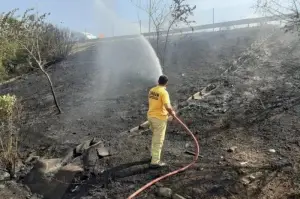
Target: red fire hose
x: 197, y: 150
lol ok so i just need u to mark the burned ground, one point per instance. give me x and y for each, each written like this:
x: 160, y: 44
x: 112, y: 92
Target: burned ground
x: 254, y: 107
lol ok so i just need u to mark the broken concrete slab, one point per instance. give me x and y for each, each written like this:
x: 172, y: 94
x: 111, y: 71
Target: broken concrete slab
x: 87, y: 145
x: 51, y: 186
x: 102, y: 152
x: 48, y: 165
x: 90, y: 159
x: 81, y: 149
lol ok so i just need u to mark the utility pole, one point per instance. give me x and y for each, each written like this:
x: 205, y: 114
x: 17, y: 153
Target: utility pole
x: 150, y: 13
x: 214, y: 18
x: 140, y: 26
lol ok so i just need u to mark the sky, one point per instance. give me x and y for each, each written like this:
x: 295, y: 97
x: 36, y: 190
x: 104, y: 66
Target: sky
x: 120, y: 17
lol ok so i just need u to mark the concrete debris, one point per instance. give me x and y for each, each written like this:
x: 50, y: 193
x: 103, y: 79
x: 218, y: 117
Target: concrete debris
x: 102, y: 152
x: 177, y: 196
x: 2, y: 186
x: 252, y: 177
x: 165, y: 192
x: 272, y: 150
x: 48, y: 165
x: 4, y: 175
x: 87, y: 145
x: 232, y: 149
x: 245, y: 181
x: 187, y: 145
x: 243, y: 163
x: 51, y: 187
x: 197, y: 96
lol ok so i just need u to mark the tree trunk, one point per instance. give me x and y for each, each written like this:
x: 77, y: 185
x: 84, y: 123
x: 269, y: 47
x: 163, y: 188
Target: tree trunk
x: 165, y: 46
x: 167, y: 38
x: 52, y: 89
x: 157, y: 43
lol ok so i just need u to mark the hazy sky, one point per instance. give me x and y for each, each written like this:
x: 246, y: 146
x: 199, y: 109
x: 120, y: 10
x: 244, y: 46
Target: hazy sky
x: 120, y: 16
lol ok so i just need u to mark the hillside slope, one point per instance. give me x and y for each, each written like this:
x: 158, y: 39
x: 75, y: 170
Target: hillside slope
x: 254, y: 105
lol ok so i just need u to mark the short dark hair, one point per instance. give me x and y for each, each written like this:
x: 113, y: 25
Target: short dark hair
x: 163, y: 80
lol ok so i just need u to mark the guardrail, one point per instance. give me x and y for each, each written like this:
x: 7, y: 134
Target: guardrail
x: 204, y: 27
x: 222, y: 24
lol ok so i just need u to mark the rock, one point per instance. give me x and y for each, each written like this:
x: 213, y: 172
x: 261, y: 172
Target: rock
x: 93, y: 143
x: 187, y: 145
x: 53, y: 187
x: 32, y: 157
x: 48, y: 165
x: 232, y: 149
x: 177, y: 196
x: 102, y: 152
x: 2, y: 186
x: 165, y: 192
x: 89, y: 159
x: 245, y: 181
x: 272, y: 150
x: 4, y: 175
x: 243, y: 163
x: 252, y: 177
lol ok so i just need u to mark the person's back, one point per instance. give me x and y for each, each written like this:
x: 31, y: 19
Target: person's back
x: 159, y: 110
x: 158, y: 97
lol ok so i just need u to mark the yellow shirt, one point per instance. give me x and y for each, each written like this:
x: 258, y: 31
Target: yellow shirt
x: 158, y: 97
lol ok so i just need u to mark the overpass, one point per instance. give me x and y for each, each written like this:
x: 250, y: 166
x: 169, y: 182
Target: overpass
x: 242, y: 22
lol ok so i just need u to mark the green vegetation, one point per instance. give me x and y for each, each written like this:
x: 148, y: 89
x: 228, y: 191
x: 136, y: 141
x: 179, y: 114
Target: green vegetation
x: 27, y: 42
x: 9, y: 117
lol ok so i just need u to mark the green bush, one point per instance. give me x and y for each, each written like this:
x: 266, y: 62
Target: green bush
x: 21, y: 38
x: 7, y: 103
x: 9, y: 112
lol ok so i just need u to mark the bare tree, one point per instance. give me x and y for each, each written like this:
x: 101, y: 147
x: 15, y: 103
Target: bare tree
x: 165, y: 15
x: 29, y: 40
x: 287, y: 10
x: 34, y: 30
x: 180, y: 14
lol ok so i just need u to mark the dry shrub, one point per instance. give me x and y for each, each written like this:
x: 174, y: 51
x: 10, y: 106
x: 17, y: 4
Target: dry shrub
x: 10, y: 111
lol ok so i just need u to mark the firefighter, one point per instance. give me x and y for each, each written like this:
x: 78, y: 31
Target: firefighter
x: 159, y: 110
